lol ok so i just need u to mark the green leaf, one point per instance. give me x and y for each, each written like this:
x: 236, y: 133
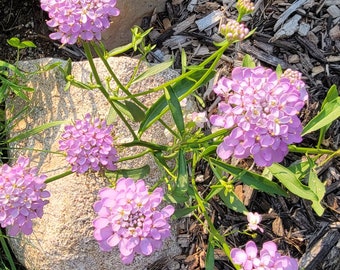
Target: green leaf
x: 136, y: 112
x: 332, y: 94
x: 300, y: 169
x: 291, y: 182
x: 16, y: 71
x: 327, y: 115
x: 210, y: 257
x: 317, y: 187
x: 138, y: 173
x: 248, y: 61
x: 183, y: 61
x: 182, y: 179
x: 181, y: 212
x: 34, y: 131
x: 208, y: 151
x: 175, y: 108
x: 120, y: 50
x: 16, y: 43
x: 27, y: 44
x: 278, y: 71
x: 251, y: 179
x: 182, y: 88
x: 233, y: 202
x: 153, y: 70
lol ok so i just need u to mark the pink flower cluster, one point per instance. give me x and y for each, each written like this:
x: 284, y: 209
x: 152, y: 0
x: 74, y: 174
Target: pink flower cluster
x: 89, y: 145
x: 22, y: 196
x: 261, y: 111
x: 268, y: 259
x: 128, y: 218
x: 84, y: 19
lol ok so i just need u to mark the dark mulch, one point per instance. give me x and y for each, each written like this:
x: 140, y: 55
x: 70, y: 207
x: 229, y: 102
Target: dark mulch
x: 315, y: 53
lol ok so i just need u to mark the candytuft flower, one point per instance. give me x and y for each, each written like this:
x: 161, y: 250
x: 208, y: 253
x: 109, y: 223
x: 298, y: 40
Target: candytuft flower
x: 269, y: 258
x: 234, y: 31
x: 261, y: 111
x: 254, y: 220
x: 128, y: 218
x: 89, y: 145
x: 84, y: 19
x: 22, y: 196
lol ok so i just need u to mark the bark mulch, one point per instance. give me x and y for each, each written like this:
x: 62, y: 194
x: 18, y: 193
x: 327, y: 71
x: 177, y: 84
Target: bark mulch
x: 303, y: 35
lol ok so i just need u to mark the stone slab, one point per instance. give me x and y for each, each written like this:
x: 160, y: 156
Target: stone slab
x: 132, y: 13
x: 62, y: 239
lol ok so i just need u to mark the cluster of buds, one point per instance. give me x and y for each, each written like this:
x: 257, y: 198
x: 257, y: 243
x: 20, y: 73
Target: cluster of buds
x: 244, y: 7
x: 234, y: 31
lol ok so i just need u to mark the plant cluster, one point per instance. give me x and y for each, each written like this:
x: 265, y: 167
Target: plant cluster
x: 257, y: 119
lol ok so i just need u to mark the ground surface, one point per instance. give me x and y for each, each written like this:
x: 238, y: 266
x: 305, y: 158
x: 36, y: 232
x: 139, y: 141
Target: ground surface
x: 288, y: 221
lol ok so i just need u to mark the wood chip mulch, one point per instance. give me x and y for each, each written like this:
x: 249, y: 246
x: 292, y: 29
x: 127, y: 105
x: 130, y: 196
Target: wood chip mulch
x: 303, y: 36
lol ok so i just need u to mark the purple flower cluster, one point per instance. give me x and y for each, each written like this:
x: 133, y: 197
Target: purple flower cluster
x: 261, y: 111
x: 89, y: 145
x: 74, y: 19
x: 22, y: 194
x: 128, y: 218
x: 268, y: 259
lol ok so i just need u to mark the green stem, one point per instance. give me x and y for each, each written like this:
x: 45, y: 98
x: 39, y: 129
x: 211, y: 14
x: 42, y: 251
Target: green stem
x: 122, y: 87
x: 306, y: 150
x: 135, y: 156
x: 200, y: 203
x: 102, y: 88
x: 59, y: 176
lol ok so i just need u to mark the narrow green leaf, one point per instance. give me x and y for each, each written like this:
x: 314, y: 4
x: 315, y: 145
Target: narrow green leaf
x: 181, y: 212
x: 215, y: 189
x: 175, y: 108
x: 210, y: 258
x: 138, y: 173
x: 183, y: 61
x: 251, y: 179
x: 156, y: 147
x: 278, y: 71
x: 327, y: 115
x: 291, y: 182
x: 332, y: 94
x: 182, y: 179
x: 120, y: 50
x: 6, y: 65
x: 233, y: 202
x: 317, y: 187
x: 153, y: 70
x: 182, y: 88
x: 34, y: 131
x: 248, y: 61
x: 136, y: 112
x: 208, y: 151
